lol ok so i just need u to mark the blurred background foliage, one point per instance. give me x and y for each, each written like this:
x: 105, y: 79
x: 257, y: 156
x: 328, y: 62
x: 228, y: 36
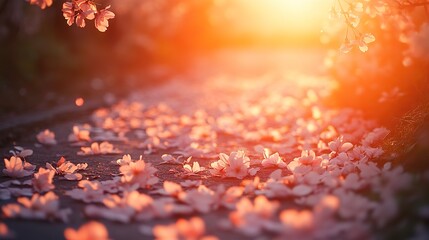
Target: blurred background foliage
x: 40, y: 54
x: 42, y: 58
x: 43, y: 62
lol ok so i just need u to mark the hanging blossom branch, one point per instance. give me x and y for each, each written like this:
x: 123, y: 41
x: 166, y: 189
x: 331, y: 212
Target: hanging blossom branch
x: 352, y: 11
x: 77, y: 11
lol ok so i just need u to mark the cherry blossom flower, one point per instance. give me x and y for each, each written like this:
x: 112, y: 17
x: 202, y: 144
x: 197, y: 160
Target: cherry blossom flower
x: 165, y: 232
x: 364, y: 40
x: 42, y: 181
x: 339, y: 146
x: 162, y: 208
x: 274, y: 189
x: 42, y: 207
x: 194, y: 170
x: 297, y: 220
x: 194, y: 228
x: 301, y: 190
x: 251, y: 218
x: 327, y: 206
x: 89, y: 192
x: 228, y: 198
x: 375, y: 136
x: 68, y: 10
x: 102, y: 17
x: 170, y: 189
x: 218, y: 167
x: 125, y: 160
x: 46, y: 137
x: 21, y: 152
x: 89, y: 231
x: 305, y: 163
x: 68, y: 169
x: 79, y: 135
x: 78, y: 11
x: 16, y: 168
x: 235, y: 165
x: 98, y: 149
x: 273, y: 160
x: 41, y: 3
x: 251, y: 185
x: 353, y: 206
x: 168, y: 159
x: 121, y: 209
x: 238, y: 167
x: 201, y: 199
x: 139, y: 173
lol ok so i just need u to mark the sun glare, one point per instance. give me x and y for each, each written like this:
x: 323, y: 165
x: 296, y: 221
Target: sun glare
x: 284, y: 17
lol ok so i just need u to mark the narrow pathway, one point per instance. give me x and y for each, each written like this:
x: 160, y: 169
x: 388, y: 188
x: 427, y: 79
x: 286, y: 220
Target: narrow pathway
x: 255, y: 156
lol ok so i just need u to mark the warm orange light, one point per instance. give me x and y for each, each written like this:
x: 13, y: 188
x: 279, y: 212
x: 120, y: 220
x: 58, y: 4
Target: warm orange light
x: 283, y: 17
x: 79, y: 102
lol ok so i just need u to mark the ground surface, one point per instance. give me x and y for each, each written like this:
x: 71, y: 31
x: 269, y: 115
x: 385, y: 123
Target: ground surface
x: 225, y: 103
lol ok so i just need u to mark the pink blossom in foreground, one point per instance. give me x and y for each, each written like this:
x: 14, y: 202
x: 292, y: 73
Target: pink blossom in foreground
x: 163, y: 208
x: 79, y: 135
x: 121, y: 209
x: 273, y: 160
x: 297, y: 221
x: 16, y: 168
x: 139, y: 173
x: 89, y: 231
x: 228, y: 198
x: 170, y: 189
x: 87, y: 10
x: 235, y: 165
x: 40, y: 207
x: 88, y: 192
x: 201, y: 199
x: 102, y: 19
x: 252, y: 218
x: 68, y: 169
x: 98, y: 149
x: 79, y: 11
x: 191, y: 229
x: 308, y: 157
x: 194, y: 170
x: 169, y: 159
x: 42, y: 181
x: 46, y: 137
x: 125, y: 160
x: 339, y: 145
x: 68, y: 10
x: 375, y: 136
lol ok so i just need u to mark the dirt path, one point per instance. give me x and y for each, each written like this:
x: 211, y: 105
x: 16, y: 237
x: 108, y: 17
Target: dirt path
x: 222, y: 111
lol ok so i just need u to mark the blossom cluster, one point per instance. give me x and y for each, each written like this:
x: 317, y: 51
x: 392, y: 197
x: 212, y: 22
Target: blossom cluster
x: 358, y: 14
x: 78, y: 11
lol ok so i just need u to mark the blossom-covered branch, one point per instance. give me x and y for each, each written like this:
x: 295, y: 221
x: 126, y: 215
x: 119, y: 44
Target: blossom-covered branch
x: 353, y: 13
x: 77, y: 11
